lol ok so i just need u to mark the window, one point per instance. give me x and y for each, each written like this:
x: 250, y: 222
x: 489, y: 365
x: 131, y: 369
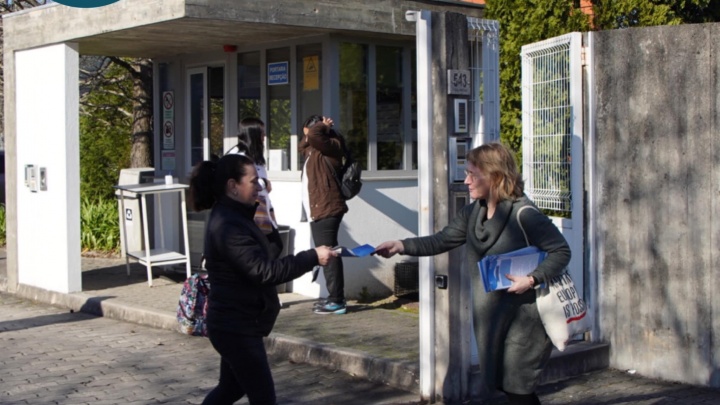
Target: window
x: 248, y: 85
x: 378, y: 119
x: 206, y: 112
x: 388, y: 105
x: 278, y: 127
x: 309, y: 86
x: 354, y: 99
x: 216, y: 89
x: 197, y: 116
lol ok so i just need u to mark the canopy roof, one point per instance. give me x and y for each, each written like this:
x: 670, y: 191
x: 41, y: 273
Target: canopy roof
x: 157, y: 28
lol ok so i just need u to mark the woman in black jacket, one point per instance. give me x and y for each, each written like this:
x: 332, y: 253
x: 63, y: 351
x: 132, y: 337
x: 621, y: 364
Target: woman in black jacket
x: 243, y: 302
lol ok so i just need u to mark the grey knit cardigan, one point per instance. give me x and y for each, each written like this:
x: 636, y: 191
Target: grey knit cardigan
x: 512, y: 344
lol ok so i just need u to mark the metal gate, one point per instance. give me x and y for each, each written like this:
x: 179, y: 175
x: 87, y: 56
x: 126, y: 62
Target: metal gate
x: 552, y: 138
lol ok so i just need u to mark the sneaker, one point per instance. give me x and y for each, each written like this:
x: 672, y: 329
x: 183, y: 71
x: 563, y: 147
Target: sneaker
x: 320, y: 303
x: 331, y: 308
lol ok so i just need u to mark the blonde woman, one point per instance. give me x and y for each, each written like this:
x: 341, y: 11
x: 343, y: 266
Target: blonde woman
x: 511, y: 340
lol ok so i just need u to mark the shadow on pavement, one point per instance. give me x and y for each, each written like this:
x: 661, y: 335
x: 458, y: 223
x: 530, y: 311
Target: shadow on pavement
x: 112, y: 276
x: 43, y: 320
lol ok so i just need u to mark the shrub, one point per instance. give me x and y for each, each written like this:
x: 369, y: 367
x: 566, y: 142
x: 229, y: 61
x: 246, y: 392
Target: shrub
x: 99, y: 225
x: 3, y: 239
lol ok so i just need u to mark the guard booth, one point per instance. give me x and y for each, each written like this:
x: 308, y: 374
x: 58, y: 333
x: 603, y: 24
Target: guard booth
x: 216, y: 62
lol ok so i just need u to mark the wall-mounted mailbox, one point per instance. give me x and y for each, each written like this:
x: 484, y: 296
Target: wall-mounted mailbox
x: 458, y: 149
x: 31, y: 177
x: 461, y: 116
x: 35, y: 178
x: 42, y: 178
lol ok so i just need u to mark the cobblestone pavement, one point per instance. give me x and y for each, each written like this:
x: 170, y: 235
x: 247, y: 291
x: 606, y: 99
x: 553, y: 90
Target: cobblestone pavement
x: 52, y: 356
x: 614, y: 387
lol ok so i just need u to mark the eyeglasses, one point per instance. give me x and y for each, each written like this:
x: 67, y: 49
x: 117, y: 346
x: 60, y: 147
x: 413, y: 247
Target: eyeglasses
x: 473, y: 176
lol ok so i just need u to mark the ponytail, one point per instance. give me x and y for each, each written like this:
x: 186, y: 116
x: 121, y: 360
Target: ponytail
x: 209, y: 179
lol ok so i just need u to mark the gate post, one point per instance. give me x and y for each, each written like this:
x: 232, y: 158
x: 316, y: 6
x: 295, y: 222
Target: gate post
x: 452, y: 312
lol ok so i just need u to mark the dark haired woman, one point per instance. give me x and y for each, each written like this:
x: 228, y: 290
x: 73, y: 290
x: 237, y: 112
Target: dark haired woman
x: 323, y: 202
x: 251, y: 143
x: 512, y: 344
x: 243, y: 302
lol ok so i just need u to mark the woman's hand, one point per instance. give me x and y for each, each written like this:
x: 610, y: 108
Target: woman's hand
x: 328, y: 121
x: 268, y: 185
x: 389, y: 248
x: 520, y: 284
x: 325, y: 253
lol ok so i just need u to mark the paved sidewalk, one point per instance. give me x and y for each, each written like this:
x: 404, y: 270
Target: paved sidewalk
x: 52, y: 356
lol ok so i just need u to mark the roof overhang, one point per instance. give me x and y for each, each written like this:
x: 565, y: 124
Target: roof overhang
x: 162, y: 28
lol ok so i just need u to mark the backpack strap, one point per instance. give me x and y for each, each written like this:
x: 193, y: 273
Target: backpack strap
x: 332, y: 170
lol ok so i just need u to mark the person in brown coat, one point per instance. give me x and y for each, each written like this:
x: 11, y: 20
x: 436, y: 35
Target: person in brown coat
x: 323, y: 203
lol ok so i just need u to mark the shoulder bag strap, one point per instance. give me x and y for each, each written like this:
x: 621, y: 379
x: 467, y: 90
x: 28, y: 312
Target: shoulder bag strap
x: 520, y: 222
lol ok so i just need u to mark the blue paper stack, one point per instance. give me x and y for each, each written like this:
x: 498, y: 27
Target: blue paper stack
x: 521, y: 262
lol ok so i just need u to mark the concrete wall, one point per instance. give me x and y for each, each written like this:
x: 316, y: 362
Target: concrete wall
x: 384, y: 210
x: 658, y: 194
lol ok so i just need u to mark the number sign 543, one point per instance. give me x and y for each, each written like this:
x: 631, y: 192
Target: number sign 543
x: 458, y: 81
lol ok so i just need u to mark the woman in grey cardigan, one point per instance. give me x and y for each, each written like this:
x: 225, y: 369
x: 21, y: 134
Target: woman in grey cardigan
x: 512, y: 344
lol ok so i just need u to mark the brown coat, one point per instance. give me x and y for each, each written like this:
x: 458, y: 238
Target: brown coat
x: 323, y: 145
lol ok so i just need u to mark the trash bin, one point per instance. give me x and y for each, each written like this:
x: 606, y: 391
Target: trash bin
x: 196, y: 237
x: 133, y: 213
x: 285, y: 233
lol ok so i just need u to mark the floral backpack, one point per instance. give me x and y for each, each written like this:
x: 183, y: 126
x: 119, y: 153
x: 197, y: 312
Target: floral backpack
x: 192, y: 306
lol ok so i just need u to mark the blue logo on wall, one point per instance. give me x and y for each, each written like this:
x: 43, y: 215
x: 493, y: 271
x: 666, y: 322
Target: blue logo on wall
x: 85, y: 3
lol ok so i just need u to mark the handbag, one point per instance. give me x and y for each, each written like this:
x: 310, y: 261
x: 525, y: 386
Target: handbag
x: 562, y: 312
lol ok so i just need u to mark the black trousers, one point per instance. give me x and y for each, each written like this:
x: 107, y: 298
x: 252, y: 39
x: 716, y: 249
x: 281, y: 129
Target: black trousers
x: 244, y: 370
x: 324, y: 233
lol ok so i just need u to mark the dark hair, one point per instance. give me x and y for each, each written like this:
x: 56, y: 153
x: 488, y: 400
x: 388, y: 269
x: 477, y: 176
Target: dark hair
x: 208, y: 179
x: 242, y: 147
x: 312, y: 120
x: 250, y: 131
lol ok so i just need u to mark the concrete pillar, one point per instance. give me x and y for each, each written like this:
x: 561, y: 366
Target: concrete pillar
x: 45, y: 134
x: 450, y: 50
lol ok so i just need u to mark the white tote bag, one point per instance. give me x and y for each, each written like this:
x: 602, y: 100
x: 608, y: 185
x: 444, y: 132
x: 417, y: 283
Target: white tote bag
x: 562, y: 311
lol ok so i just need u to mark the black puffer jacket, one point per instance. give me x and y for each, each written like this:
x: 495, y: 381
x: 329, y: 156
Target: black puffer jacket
x: 242, y: 272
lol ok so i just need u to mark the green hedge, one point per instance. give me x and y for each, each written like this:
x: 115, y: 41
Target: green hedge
x: 99, y: 225
x: 3, y: 239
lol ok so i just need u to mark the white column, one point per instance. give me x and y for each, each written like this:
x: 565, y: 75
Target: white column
x: 48, y: 137
x: 425, y: 210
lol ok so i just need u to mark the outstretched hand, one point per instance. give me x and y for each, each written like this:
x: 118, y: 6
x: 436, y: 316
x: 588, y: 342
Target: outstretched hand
x: 325, y: 253
x: 389, y: 249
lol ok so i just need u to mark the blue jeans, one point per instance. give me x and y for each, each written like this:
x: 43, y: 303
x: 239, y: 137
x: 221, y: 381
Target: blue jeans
x: 324, y: 233
x: 244, y: 369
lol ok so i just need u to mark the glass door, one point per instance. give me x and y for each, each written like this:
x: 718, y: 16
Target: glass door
x: 197, y: 115
x: 205, y: 113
